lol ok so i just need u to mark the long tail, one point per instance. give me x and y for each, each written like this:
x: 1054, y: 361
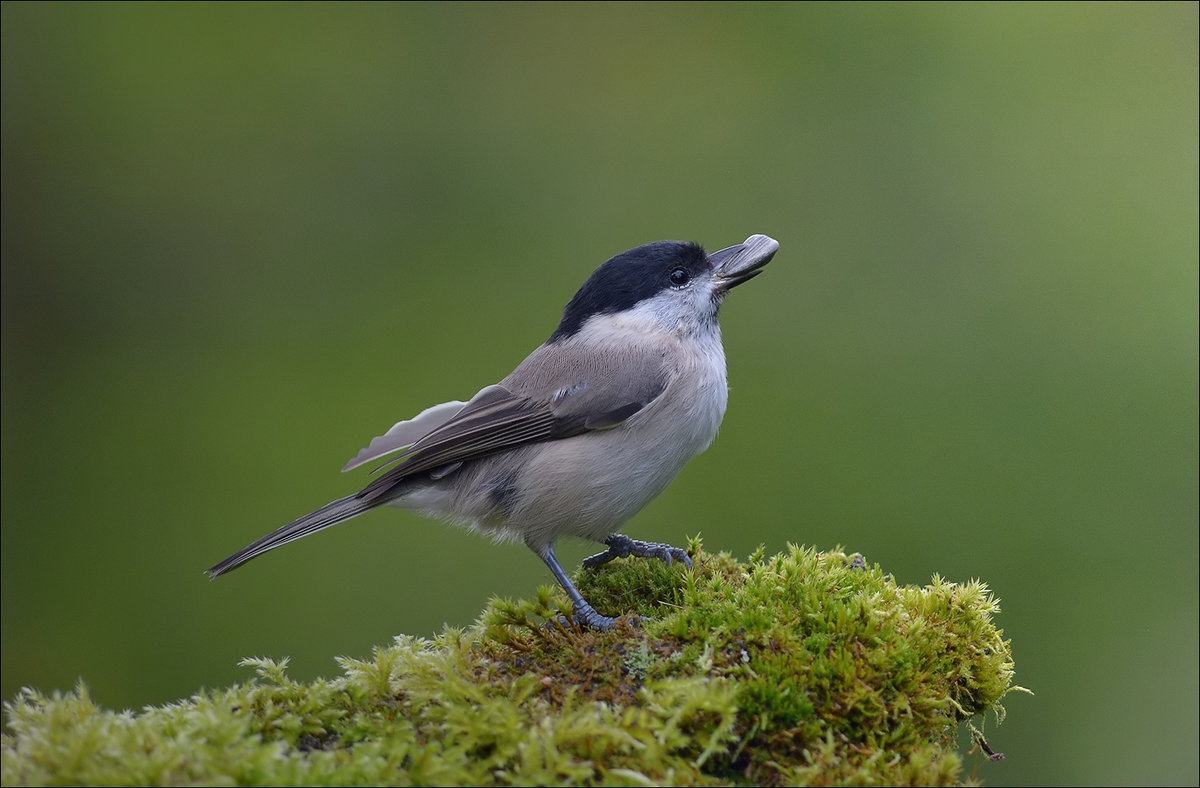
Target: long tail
x: 338, y: 511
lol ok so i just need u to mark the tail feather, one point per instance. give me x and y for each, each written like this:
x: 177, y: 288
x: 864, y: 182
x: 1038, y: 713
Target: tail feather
x: 338, y: 511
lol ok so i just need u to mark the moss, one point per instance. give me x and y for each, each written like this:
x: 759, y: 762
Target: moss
x: 796, y: 669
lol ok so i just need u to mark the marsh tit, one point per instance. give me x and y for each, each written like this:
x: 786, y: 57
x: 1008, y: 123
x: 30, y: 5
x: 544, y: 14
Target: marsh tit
x: 585, y: 431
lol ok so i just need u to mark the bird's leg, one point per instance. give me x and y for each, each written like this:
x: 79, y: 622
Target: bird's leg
x: 620, y: 546
x: 585, y: 614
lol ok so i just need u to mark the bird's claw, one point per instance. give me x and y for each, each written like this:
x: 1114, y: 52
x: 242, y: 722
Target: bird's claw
x: 588, y: 618
x: 620, y: 546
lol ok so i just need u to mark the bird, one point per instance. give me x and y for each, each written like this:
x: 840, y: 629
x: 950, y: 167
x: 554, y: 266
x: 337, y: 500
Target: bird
x: 594, y: 424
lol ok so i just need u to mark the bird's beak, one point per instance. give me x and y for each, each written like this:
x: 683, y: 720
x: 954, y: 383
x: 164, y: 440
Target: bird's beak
x: 741, y: 263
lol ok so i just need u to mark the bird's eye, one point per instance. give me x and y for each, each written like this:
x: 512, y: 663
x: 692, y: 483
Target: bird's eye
x: 679, y: 277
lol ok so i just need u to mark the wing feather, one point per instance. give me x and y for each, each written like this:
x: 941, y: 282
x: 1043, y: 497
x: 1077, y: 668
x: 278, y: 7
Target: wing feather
x: 537, y: 402
x: 405, y: 433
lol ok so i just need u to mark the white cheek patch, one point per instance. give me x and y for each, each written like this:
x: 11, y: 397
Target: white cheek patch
x: 690, y: 310
x: 630, y: 325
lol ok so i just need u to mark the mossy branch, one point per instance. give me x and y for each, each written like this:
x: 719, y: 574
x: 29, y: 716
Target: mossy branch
x: 801, y: 668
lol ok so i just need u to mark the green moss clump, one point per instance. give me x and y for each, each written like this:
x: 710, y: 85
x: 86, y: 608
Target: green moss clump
x: 802, y: 668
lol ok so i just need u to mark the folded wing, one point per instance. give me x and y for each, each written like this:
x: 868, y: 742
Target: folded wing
x: 556, y: 393
x: 405, y: 433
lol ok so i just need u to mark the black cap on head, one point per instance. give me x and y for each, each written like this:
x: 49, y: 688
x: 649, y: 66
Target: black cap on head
x: 629, y: 278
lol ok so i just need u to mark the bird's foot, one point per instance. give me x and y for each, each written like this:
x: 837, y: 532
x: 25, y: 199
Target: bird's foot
x: 586, y: 617
x: 620, y: 546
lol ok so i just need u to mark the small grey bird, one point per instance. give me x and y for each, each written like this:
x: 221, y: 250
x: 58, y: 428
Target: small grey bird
x: 585, y: 431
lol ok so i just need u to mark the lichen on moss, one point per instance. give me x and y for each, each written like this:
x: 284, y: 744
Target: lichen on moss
x: 795, y: 669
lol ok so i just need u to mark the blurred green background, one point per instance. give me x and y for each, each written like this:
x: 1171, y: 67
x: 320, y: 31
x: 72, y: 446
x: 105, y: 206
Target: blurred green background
x: 241, y: 240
